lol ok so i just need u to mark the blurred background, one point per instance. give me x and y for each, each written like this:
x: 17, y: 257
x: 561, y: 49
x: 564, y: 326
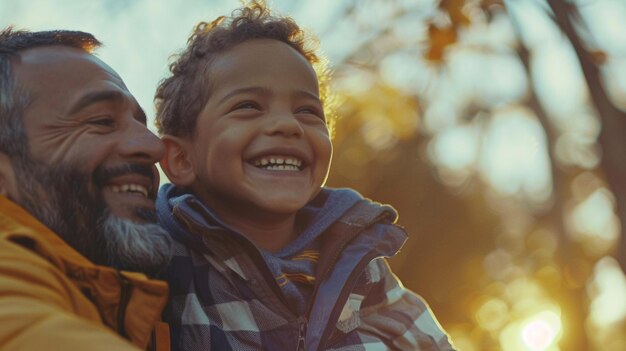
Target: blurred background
x: 496, y: 128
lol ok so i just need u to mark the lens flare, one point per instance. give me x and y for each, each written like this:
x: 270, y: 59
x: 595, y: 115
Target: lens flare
x: 541, y: 331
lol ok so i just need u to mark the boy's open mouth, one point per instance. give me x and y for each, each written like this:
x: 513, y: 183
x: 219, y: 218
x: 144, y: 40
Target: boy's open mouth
x: 278, y: 163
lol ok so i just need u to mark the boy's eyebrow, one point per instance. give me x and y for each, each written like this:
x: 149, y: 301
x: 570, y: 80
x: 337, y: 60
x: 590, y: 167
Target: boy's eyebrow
x: 263, y: 91
x: 307, y: 94
x: 246, y: 90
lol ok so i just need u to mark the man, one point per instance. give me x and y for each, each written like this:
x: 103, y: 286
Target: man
x: 77, y: 189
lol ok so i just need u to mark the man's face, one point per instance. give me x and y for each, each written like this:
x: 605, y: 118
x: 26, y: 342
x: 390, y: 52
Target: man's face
x: 90, y: 173
x: 262, y: 147
x: 82, y: 115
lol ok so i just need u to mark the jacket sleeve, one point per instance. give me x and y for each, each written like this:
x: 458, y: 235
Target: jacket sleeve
x: 398, y: 316
x: 39, y: 308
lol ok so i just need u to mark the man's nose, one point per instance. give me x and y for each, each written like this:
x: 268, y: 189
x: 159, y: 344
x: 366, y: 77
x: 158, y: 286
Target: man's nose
x: 141, y: 144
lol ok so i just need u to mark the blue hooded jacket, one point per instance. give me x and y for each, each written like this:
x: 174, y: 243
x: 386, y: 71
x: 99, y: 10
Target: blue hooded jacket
x: 227, y: 294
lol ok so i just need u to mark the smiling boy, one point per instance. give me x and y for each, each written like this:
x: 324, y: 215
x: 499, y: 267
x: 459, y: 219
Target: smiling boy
x: 266, y: 258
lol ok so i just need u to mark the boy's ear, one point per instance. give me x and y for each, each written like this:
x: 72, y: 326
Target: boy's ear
x: 8, y: 185
x: 176, y: 162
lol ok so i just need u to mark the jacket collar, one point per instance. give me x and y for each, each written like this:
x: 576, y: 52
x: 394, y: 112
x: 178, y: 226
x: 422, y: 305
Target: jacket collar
x: 18, y: 224
x: 106, y: 285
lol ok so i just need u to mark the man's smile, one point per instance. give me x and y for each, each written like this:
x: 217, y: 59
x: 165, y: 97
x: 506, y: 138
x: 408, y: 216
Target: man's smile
x: 134, y: 184
x: 128, y: 189
x: 138, y: 179
x: 131, y: 188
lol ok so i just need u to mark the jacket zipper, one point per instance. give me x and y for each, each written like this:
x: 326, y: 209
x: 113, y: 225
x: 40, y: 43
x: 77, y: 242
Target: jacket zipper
x: 121, y: 311
x: 302, y: 324
x: 335, y: 257
x: 322, y: 276
x: 343, y: 297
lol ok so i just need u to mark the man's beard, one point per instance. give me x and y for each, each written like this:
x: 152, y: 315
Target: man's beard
x: 59, y: 196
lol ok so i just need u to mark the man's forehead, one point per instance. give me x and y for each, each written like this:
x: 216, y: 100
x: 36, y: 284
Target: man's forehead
x: 50, y: 54
x: 57, y: 58
x: 63, y: 80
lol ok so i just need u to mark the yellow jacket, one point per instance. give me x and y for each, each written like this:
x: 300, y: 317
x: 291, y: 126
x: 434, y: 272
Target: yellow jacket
x: 53, y: 298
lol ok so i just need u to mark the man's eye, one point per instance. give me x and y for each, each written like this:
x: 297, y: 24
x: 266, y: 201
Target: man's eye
x: 105, y: 122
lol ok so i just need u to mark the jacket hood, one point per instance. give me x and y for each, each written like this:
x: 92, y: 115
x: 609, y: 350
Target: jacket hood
x: 329, y: 206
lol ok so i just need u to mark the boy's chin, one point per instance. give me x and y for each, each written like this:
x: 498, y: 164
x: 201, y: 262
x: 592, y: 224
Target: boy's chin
x: 282, y: 205
x: 283, y: 208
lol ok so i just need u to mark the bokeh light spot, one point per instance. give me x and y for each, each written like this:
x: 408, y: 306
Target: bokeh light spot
x: 541, y: 331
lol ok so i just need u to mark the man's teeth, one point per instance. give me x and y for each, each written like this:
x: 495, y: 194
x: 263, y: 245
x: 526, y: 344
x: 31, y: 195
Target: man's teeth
x: 133, y: 188
x: 277, y: 163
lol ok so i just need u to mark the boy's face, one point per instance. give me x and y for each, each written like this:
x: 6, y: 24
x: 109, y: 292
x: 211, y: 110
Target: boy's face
x: 262, y: 146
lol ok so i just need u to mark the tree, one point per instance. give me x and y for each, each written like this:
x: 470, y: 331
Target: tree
x: 496, y: 264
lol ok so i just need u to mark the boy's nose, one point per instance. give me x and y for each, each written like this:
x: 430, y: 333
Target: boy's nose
x: 284, y: 124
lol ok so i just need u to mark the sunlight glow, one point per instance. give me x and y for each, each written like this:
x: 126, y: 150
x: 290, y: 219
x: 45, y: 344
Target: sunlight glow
x: 565, y: 91
x: 455, y: 148
x: 605, y: 19
x: 541, y: 331
x: 403, y: 71
x: 608, y: 292
x: 538, y: 332
x: 503, y: 80
x: 538, y: 28
x: 514, y: 157
x: 440, y: 114
x: 492, y: 314
x: 594, y: 222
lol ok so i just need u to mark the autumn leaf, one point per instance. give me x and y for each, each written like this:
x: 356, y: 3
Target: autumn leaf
x: 598, y: 57
x: 454, y: 9
x: 439, y: 40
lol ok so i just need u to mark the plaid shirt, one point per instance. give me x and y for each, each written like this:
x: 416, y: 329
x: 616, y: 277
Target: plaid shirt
x: 224, y: 297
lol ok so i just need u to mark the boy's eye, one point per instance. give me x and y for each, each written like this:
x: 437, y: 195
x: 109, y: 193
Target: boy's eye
x: 310, y: 110
x: 247, y: 105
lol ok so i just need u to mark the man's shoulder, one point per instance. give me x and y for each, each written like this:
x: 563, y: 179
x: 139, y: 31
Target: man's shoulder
x: 22, y: 238
x: 27, y: 249
x: 26, y: 239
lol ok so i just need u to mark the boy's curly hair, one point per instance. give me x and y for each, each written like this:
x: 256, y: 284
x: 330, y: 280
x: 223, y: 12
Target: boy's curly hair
x: 179, y: 98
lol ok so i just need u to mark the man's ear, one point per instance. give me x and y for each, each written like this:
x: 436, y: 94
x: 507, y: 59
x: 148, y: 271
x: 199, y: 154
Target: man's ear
x: 176, y: 162
x: 8, y: 185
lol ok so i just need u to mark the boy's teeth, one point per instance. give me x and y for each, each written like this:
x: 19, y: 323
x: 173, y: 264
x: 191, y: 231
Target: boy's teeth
x: 279, y: 163
x: 282, y: 168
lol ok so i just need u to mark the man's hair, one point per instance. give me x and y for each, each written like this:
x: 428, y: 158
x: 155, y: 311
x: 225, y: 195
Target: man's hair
x: 179, y: 98
x: 13, y: 98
